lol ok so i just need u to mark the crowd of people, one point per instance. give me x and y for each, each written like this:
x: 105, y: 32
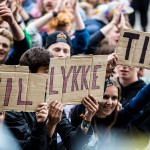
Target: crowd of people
x: 32, y: 32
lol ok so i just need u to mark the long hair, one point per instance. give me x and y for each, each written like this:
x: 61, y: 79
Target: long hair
x: 111, y: 119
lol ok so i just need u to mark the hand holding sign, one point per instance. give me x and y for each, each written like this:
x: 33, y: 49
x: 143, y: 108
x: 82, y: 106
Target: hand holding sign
x: 55, y: 113
x: 91, y: 107
x: 134, y: 48
x: 42, y: 112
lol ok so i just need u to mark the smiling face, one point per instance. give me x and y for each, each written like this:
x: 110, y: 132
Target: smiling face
x: 109, y: 102
x: 4, y: 48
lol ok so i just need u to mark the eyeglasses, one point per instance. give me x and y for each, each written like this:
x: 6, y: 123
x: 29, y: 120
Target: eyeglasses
x: 107, y: 97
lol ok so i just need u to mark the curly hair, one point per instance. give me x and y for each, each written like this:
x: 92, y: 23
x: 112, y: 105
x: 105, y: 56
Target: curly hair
x: 63, y: 19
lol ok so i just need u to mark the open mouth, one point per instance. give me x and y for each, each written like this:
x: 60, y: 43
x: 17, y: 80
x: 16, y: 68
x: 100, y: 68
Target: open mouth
x: 1, y: 53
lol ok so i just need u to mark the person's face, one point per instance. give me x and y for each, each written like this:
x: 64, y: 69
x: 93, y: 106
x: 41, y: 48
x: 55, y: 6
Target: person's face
x: 126, y: 72
x: 113, y: 36
x: 109, y: 102
x: 49, y: 5
x: 2, y: 116
x: 4, y: 48
x: 60, y: 49
x: 43, y: 69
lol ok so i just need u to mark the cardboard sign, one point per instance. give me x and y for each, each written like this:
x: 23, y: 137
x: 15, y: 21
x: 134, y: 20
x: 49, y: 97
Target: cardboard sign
x: 71, y: 79
x: 21, y: 91
x: 134, y: 48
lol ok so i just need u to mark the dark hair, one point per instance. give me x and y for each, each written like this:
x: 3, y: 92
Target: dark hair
x: 34, y: 58
x: 54, y: 38
x: 104, y: 48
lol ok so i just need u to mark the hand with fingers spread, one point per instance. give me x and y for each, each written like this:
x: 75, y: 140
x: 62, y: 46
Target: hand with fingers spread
x: 42, y: 112
x: 91, y: 107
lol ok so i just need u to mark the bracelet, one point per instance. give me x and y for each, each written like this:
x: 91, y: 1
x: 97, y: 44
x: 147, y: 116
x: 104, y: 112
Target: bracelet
x: 86, y: 126
x: 54, y: 14
x: 86, y: 121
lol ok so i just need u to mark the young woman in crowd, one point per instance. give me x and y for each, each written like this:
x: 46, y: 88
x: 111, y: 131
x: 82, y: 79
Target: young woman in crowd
x: 110, y: 120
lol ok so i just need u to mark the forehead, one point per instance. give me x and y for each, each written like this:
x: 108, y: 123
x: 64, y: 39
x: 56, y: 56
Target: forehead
x: 4, y: 40
x: 60, y: 45
x: 111, y: 90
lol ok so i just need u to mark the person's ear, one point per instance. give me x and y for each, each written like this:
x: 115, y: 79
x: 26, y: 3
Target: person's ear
x: 119, y: 106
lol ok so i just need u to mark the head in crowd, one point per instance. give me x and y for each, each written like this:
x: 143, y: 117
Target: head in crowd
x: 59, y: 44
x: 108, y: 106
x: 140, y: 73
x: 114, y: 33
x: 49, y: 5
x: 2, y: 116
x: 104, y: 48
x: 127, y: 75
x: 63, y: 22
x: 6, y: 42
x: 37, y: 59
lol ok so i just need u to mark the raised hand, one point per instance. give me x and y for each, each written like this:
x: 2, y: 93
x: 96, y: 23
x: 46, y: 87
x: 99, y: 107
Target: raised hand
x: 60, y: 6
x: 91, y: 107
x: 42, y: 112
x: 55, y: 113
x: 112, y: 61
x: 117, y: 15
x: 6, y: 14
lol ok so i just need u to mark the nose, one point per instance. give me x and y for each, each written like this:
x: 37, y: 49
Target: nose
x: 61, y: 54
x: 109, y: 101
x: 124, y: 67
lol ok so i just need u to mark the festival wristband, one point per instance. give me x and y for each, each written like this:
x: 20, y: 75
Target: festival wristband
x: 86, y: 126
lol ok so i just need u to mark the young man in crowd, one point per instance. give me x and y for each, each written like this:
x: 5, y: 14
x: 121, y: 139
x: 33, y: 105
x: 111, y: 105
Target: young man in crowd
x: 130, y: 86
x: 6, y: 42
x: 38, y: 62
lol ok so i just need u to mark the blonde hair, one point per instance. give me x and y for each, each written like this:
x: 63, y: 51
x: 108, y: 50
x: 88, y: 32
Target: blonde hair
x: 7, y: 34
x: 63, y: 19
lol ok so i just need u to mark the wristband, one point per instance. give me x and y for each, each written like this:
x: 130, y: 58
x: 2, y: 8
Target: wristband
x: 54, y: 14
x: 86, y: 121
x: 85, y: 125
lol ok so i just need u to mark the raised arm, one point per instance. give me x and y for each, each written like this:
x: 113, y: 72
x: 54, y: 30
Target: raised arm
x: 6, y: 15
x: 39, y: 23
x: 131, y: 109
x: 101, y: 34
